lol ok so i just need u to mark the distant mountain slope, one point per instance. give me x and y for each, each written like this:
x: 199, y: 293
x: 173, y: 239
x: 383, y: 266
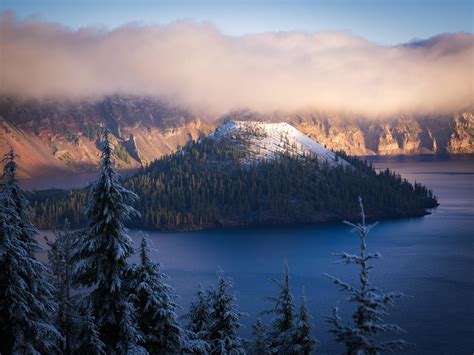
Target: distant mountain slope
x: 57, y: 135
x: 54, y: 136
x: 221, y: 181
x: 404, y: 134
x: 425, y: 134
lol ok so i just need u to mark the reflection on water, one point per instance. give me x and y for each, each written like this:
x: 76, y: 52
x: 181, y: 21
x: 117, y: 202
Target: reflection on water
x: 430, y: 259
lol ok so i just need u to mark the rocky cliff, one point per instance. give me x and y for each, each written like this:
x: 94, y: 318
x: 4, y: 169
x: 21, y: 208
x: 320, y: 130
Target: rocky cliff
x: 391, y: 136
x: 57, y: 136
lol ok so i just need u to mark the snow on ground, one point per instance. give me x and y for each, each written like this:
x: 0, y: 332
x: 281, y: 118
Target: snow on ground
x: 268, y: 140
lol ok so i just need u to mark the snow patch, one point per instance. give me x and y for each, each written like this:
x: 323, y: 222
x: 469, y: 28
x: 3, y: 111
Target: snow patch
x: 265, y: 141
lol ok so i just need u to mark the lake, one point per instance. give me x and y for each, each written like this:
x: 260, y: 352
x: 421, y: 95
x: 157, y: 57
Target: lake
x: 429, y: 259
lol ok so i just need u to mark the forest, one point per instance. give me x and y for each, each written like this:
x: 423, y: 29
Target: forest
x: 212, y: 184
x: 89, y: 299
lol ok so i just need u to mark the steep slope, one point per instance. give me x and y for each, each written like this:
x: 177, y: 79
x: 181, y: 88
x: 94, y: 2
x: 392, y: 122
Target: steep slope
x: 263, y: 141
x: 390, y: 136
x: 51, y: 136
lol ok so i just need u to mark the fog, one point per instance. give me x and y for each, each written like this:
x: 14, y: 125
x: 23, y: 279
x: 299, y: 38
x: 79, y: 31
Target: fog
x: 195, y: 65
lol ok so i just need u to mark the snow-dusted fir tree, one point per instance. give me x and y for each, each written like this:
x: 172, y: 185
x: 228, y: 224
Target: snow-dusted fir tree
x: 88, y: 338
x: 155, y: 306
x: 361, y: 336
x: 303, y: 341
x: 199, y: 314
x: 280, y: 333
x: 101, y: 258
x: 59, y: 255
x: 26, y: 294
x: 199, y: 318
x: 260, y: 345
x: 225, y: 319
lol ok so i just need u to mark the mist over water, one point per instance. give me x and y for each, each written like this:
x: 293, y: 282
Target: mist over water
x: 429, y: 259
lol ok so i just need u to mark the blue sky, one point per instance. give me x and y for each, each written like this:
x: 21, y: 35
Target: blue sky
x: 381, y: 21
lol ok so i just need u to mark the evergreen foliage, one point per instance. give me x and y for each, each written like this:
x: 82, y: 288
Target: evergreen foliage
x: 207, y: 185
x: 101, y: 258
x: 224, y: 319
x: 371, y: 304
x: 88, y: 339
x: 26, y: 295
x: 303, y: 341
x: 281, y: 331
x: 260, y: 344
x: 59, y: 255
x: 199, y: 316
x: 155, y: 306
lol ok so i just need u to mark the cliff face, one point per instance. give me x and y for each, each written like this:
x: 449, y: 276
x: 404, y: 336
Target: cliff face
x: 392, y: 136
x: 53, y: 136
x: 62, y: 136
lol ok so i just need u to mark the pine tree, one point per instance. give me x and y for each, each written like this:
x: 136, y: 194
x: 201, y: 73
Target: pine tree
x: 281, y: 330
x: 26, y: 295
x: 371, y: 304
x: 260, y: 344
x: 198, y: 327
x: 101, y: 258
x: 59, y: 255
x: 224, y: 319
x: 303, y: 341
x: 88, y: 339
x: 155, y: 306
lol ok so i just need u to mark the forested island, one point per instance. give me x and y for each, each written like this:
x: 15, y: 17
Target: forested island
x: 212, y: 184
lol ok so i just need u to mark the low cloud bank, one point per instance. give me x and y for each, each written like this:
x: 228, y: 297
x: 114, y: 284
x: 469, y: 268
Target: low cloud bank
x: 195, y: 65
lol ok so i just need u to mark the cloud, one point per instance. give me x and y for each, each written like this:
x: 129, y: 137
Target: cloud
x: 195, y: 65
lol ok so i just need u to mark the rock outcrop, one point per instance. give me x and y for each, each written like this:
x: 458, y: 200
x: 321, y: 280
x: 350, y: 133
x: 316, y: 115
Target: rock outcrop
x: 63, y: 136
x: 391, y: 136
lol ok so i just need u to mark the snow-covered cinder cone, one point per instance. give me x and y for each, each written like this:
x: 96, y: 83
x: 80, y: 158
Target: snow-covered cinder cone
x: 266, y: 141
x: 361, y: 336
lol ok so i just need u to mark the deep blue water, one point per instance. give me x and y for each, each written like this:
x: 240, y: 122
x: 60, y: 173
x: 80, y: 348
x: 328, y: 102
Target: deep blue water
x: 430, y: 259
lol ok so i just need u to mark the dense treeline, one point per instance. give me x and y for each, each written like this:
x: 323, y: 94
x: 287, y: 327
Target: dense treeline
x: 211, y: 184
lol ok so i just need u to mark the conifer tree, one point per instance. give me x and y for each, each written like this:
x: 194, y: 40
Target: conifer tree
x: 199, y: 314
x: 101, y: 258
x: 283, y: 309
x: 155, y: 306
x: 26, y: 295
x: 224, y: 319
x: 303, y: 341
x: 59, y: 255
x: 260, y: 344
x: 371, y: 304
x: 198, y: 326
x: 88, y: 339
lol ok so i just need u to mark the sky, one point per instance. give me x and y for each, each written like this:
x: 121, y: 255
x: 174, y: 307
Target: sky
x: 381, y: 21
x: 378, y: 58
